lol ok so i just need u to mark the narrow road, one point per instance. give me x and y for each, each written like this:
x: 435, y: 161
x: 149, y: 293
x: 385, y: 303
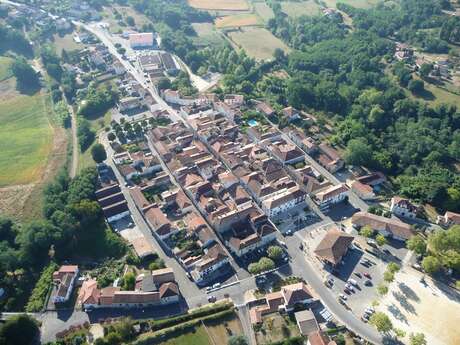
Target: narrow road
x: 75, y: 146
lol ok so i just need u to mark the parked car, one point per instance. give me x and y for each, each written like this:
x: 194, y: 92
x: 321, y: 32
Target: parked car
x: 216, y: 286
x: 342, y: 296
x: 372, y: 243
x: 365, y: 318
x: 368, y: 283
x: 350, y: 287
x: 367, y: 275
x: 212, y: 299
x: 369, y: 310
x: 358, y: 275
x: 352, y: 282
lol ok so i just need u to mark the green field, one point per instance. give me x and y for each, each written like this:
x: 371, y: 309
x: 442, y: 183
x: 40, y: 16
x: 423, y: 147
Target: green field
x: 67, y: 43
x: 296, y: 9
x: 5, y: 68
x: 207, y: 35
x: 258, y: 43
x: 263, y: 10
x: 26, y: 138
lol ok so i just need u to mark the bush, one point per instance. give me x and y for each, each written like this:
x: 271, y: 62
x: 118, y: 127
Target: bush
x: 37, y: 298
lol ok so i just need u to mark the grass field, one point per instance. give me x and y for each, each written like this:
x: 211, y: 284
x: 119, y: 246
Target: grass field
x: 237, y: 21
x: 26, y: 138
x: 5, y: 68
x: 276, y: 328
x: 263, y: 10
x: 229, y: 5
x: 258, y: 43
x: 207, y: 34
x: 354, y: 3
x: 296, y: 9
x: 198, y: 337
x: 66, y: 42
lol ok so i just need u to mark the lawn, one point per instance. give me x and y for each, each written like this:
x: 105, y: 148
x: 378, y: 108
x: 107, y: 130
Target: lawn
x: 198, y: 337
x: 26, y: 138
x: 258, y: 43
x: 207, y: 35
x: 237, y: 21
x: 229, y: 5
x: 276, y: 327
x: 296, y: 9
x: 221, y: 330
x: 5, y: 68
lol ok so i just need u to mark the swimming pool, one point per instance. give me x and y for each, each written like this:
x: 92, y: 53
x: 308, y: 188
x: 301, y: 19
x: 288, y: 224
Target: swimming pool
x: 252, y: 122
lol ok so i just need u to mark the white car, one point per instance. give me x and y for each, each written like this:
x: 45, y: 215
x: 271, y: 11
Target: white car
x: 352, y: 282
x: 216, y: 285
x: 343, y: 297
x: 350, y: 287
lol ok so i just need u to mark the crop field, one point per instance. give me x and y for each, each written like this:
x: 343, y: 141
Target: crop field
x: 237, y: 21
x: 258, y: 43
x: 354, y: 3
x: 222, y: 5
x: 296, y: 9
x: 26, y: 138
x: 207, y: 34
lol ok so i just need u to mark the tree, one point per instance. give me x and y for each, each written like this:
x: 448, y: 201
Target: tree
x: 130, y: 21
x: 393, y: 267
x: 237, y: 340
x: 26, y: 76
x: 417, y: 244
x: 425, y: 70
x: 366, y: 231
x: 163, y: 84
x: 19, y: 330
x: 266, y: 264
x: 111, y: 136
x: 416, y: 86
x: 417, y: 339
x: 431, y: 264
x: 388, y: 276
x: 399, y: 332
x: 275, y: 252
x: 381, y: 321
x: 358, y: 152
x: 381, y: 240
x: 382, y: 289
x: 98, y: 153
x: 129, y: 281
x: 85, y: 134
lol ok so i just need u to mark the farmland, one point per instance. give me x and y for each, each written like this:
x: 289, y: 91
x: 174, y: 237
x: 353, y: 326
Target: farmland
x: 25, y: 138
x: 207, y: 34
x: 259, y: 43
x: 5, y: 67
x: 263, y: 10
x: 66, y: 43
x: 354, y: 3
x: 223, y: 5
x: 237, y: 21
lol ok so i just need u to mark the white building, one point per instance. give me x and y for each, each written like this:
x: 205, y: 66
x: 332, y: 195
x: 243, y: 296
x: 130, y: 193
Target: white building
x: 331, y: 195
x: 403, y: 208
x: 282, y: 201
x: 64, y: 279
x: 141, y: 40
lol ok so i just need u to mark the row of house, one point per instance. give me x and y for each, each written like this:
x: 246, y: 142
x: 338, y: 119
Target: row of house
x: 151, y: 289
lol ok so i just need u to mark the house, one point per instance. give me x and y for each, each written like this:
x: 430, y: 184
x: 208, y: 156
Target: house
x: 319, y: 338
x: 64, y: 280
x: 285, y: 300
x: 307, y: 144
x: 287, y: 153
x: 174, y: 97
x: 163, y: 275
x: 118, y: 68
x: 214, y: 259
x: 128, y: 103
x: 141, y: 40
x: 159, y: 222
x: 117, y: 211
x: 333, y: 247
x: 291, y: 114
x: 364, y: 191
x: 331, y: 195
x: 264, y: 108
x: 449, y: 219
x: 234, y: 100
x: 373, y: 179
x: 386, y: 226
x: 330, y: 158
x: 283, y: 201
x: 403, y: 208
x: 306, y: 322
x: 169, y: 64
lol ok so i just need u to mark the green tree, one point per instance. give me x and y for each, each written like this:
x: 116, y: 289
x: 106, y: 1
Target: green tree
x: 393, y: 267
x: 254, y: 268
x: 425, y: 70
x: 381, y: 321
x: 417, y: 244
x: 388, y: 276
x: 129, y: 281
x: 98, y: 153
x: 366, y: 231
x: 19, y: 330
x: 417, y: 339
x: 237, y: 340
x: 431, y: 264
x: 381, y: 240
x: 163, y: 84
x: 358, y: 152
x: 111, y: 136
x: 26, y: 76
x: 266, y: 264
x: 382, y: 289
x: 275, y: 252
x: 416, y: 86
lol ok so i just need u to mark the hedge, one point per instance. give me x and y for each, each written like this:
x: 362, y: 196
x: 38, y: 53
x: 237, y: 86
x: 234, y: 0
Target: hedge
x: 182, y: 328
x: 38, y: 297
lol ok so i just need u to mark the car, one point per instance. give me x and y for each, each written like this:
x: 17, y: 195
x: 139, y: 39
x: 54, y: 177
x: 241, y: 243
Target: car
x: 289, y: 233
x: 372, y: 243
x: 342, y: 296
x: 368, y: 283
x: 212, y: 299
x: 348, y: 292
x: 208, y: 288
x: 350, y: 287
x: 365, y: 318
x: 369, y: 310
x: 131, y: 225
x: 358, y: 274
x: 352, y: 282
x: 301, y: 246
x: 367, y: 275
x: 216, y: 286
